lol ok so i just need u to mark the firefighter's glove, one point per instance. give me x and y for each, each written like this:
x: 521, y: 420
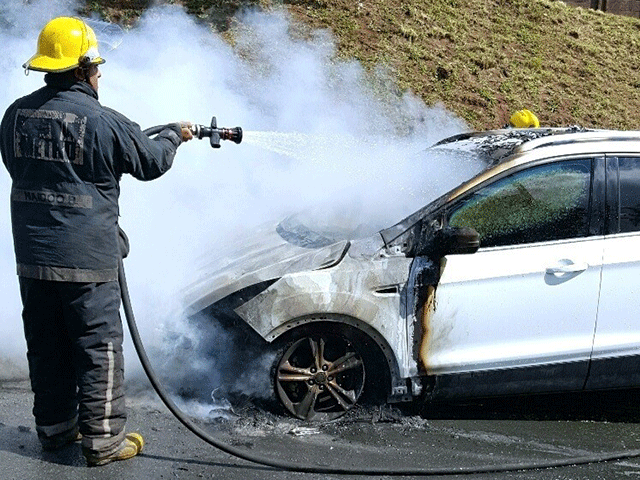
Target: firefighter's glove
x: 185, y: 128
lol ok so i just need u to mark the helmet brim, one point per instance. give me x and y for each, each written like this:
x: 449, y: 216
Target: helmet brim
x: 42, y: 63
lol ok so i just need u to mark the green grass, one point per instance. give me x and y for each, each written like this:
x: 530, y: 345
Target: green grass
x: 482, y: 59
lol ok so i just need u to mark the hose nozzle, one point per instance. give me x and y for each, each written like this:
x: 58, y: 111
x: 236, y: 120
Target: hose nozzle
x: 234, y: 134
x: 216, y: 134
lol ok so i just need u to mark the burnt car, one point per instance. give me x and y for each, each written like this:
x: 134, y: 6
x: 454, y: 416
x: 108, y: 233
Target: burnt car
x: 524, y: 279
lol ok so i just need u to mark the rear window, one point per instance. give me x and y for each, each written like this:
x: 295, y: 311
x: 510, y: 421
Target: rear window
x: 629, y: 169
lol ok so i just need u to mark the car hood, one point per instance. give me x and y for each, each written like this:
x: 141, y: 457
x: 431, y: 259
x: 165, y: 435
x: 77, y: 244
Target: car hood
x: 268, y: 257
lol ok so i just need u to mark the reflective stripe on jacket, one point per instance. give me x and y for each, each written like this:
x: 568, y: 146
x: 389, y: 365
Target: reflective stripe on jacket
x: 66, y: 153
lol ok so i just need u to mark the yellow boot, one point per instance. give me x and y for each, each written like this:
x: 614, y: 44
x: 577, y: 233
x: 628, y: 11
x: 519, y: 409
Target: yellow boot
x: 129, y: 448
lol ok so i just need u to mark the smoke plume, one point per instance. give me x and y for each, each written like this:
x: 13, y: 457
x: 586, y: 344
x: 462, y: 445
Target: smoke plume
x: 320, y: 134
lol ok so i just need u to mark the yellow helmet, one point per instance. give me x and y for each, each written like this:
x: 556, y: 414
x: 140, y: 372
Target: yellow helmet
x: 64, y: 44
x: 524, y: 119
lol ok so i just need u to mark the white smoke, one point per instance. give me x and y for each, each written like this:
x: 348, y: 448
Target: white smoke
x: 320, y: 133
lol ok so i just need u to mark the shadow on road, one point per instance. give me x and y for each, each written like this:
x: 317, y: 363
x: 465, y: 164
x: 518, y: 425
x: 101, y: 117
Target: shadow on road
x: 242, y: 466
x: 24, y: 441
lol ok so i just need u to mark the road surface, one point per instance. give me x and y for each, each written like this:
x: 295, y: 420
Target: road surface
x: 489, y: 433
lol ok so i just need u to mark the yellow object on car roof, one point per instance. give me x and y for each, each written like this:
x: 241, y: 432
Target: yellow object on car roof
x: 524, y: 119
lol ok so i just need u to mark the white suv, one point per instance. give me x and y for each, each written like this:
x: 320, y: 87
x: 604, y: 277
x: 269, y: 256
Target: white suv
x: 548, y: 302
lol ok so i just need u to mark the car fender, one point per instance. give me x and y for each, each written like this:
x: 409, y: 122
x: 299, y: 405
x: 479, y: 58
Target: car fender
x: 374, y: 296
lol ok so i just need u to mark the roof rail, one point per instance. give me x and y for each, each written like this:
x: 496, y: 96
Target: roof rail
x: 584, y: 135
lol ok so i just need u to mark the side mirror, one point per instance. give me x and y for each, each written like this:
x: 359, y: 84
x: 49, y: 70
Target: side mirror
x: 457, y: 241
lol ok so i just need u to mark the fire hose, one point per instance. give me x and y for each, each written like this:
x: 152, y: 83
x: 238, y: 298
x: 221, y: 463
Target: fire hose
x: 236, y: 136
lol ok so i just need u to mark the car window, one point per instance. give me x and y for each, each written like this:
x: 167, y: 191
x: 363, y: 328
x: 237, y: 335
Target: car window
x: 542, y: 203
x: 629, y: 169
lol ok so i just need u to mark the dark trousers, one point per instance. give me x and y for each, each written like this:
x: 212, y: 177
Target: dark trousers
x: 74, y: 349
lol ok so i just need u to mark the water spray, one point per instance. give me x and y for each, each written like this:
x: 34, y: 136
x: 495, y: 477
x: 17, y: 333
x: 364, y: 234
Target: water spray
x: 214, y: 133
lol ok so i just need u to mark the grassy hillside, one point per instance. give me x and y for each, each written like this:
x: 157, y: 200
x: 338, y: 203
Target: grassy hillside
x: 482, y: 59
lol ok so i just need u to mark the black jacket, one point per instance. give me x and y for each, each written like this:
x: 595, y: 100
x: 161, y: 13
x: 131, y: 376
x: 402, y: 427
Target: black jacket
x: 66, y: 154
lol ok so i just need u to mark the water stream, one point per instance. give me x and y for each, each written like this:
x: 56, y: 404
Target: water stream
x: 296, y: 145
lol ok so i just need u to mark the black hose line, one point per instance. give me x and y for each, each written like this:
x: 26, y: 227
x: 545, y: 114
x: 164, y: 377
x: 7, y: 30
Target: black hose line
x: 154, y: 130
x: 330, y: 469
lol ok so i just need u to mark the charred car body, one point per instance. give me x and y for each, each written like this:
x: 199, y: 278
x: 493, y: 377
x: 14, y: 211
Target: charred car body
x: 547, y: 301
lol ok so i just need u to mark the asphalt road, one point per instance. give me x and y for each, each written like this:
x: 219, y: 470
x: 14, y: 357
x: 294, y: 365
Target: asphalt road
x: 509, y: 431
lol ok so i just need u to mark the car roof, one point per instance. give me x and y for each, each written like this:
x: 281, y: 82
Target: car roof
x: 498, y: 146
x: 504, y: 149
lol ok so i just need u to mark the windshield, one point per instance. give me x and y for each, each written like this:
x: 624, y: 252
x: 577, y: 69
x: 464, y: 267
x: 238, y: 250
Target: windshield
x: 434, y: 171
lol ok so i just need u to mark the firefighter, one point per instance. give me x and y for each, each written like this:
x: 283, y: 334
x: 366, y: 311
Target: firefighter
x: 524, y: 119
x: 66, y: 154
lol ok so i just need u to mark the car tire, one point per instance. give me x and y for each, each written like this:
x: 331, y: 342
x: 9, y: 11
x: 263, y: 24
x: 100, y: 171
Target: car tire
x: 319, y: 374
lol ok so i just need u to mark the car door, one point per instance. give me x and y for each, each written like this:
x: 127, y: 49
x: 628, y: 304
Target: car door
x: 519, y: 315
x: 616, y: 348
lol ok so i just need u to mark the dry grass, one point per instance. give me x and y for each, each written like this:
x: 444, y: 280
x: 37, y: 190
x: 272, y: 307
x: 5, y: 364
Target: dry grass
x: 482, y: 59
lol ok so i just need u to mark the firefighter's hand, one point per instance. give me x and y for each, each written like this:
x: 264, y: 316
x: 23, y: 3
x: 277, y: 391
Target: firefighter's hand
x: 185, y: 128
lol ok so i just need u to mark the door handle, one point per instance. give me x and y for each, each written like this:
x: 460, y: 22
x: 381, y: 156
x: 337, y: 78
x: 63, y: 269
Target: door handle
x: 569, y: 267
